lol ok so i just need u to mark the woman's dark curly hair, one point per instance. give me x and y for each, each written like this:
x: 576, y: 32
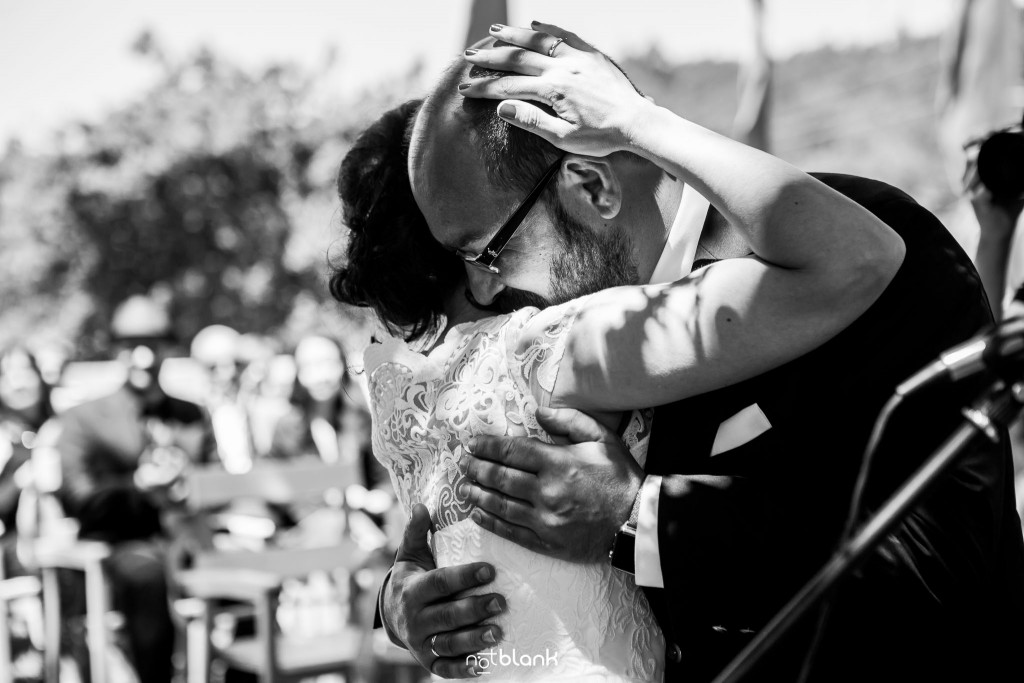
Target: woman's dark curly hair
x: 393, y: 264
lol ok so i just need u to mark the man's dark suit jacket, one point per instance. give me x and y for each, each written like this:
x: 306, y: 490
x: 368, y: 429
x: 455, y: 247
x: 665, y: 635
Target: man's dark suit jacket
x: 742, y: 531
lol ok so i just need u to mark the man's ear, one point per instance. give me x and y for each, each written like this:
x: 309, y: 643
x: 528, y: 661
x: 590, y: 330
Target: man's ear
x: 594, y: 182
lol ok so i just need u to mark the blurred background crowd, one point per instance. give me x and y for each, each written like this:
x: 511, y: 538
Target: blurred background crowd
x: 186, y: 473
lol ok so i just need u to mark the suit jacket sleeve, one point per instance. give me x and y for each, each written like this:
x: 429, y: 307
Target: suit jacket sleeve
x: 741, y: 532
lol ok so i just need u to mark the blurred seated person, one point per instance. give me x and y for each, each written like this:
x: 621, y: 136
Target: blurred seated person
x: 24, y: 407
x: 329, y: 418
x: 217, y: 349
x: 994, y: 182
x: 103, y: 445
x: 271, y: 400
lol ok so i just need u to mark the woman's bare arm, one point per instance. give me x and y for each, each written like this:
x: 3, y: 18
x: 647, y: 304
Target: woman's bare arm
x: 820, y: 259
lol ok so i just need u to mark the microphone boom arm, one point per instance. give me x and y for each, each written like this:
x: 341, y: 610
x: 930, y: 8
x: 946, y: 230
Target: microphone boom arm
x: 998, y: 406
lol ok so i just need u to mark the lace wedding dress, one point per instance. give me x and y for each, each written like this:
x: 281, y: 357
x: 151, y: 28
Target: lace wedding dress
x: 565, y: 621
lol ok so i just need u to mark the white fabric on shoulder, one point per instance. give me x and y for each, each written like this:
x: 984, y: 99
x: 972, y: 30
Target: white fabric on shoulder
x: 681, y: 246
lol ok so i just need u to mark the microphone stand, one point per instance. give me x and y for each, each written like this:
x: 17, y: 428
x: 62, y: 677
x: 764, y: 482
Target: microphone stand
x: 998, y: 406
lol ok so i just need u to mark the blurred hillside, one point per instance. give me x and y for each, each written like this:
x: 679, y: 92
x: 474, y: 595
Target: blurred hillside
x: 216, y: 188
x: 866, y: 111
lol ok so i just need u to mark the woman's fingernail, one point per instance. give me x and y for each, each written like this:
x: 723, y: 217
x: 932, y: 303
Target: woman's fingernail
x: 496, y: 27
x: 463, y: 86
x: 507, y: 111
x: 534, y: 23
x: 494, y: 607
x: 484, y: 574
x: 471, y: 51
x: 489, y: 637
x: 471, y: 444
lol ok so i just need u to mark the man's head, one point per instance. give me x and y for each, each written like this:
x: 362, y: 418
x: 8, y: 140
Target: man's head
x: 470, y: 170
x: 142, y: 336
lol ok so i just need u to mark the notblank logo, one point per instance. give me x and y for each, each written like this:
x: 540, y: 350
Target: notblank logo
x: 485, y: 662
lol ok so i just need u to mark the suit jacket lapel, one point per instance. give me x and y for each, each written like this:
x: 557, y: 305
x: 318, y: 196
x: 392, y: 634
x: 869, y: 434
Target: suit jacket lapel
x: 684, y: 432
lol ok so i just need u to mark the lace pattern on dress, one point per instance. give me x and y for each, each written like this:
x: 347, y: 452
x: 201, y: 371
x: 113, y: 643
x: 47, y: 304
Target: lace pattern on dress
x: 488, y: 378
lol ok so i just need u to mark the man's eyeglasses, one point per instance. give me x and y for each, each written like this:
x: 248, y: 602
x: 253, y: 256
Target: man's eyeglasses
x: 485, y: 259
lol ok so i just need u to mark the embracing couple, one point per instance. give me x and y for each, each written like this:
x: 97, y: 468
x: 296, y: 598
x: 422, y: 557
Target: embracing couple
x: 632, y: 369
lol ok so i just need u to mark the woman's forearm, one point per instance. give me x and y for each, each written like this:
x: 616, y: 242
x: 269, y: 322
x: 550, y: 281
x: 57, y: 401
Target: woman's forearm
x: 789, y: 218
x: 822, y: 260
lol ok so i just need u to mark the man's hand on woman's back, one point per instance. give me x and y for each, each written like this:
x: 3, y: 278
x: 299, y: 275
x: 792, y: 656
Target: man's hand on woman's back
x: 422, y: 607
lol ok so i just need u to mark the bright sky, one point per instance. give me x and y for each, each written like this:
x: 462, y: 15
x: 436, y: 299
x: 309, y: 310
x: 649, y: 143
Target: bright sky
x: 70, y: 59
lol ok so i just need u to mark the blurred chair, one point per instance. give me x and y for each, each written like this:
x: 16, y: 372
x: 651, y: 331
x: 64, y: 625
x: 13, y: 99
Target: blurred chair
x: 49, y: 544
x: 12, y: 589
x: 393, y: 663
x: 52, y: 555
x: 212, y: 580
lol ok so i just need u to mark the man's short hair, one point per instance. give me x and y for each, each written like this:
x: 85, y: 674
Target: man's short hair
x: 514, y: 158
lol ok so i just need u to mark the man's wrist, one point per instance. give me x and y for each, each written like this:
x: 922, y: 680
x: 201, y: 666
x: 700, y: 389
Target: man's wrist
x: 381, y: 602
x: 634, y: 511
x: 622, y: 553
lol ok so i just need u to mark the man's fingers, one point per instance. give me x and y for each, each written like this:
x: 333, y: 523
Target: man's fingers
x: 442, y: 583
x: 577, y: 427
x: 414, y: 547
x: 519, y: 452
x: 465, y: 640
x: 454, y: 667
x: 504, y: 507
x: 507, y: 480
x: 517, y: 534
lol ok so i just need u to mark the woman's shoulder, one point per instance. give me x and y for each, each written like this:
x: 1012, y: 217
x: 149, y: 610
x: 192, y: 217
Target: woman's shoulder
x: 444, y: 344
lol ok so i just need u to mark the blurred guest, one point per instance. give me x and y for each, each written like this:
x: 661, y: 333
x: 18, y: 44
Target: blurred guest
x: 102, y: 444
x: 52, y: 357
x: 271, y: 400
x: 995, y: 193
x: 329, y: 418
x: 24, y: 407
x: 218, y: 349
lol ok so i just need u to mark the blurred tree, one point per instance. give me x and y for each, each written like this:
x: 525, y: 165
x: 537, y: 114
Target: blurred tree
x: 483, y: 13
x: 215, y: 190
x: 751, y: 123
x: 217, y: 186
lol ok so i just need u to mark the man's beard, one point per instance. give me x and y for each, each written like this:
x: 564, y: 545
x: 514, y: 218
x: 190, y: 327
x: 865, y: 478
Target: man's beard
x: 586, y: 263
x: 589, y: 262
x: 509, y: 300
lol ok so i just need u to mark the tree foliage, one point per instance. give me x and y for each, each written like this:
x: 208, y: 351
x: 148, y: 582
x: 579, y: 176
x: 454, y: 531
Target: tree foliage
x: 215, y: 191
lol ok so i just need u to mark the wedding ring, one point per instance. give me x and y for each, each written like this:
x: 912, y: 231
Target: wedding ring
x: 432, y: 639
x: 555, y: 44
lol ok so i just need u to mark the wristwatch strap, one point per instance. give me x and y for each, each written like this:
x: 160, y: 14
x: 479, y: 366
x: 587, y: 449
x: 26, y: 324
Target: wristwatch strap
x: 623, y: 552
